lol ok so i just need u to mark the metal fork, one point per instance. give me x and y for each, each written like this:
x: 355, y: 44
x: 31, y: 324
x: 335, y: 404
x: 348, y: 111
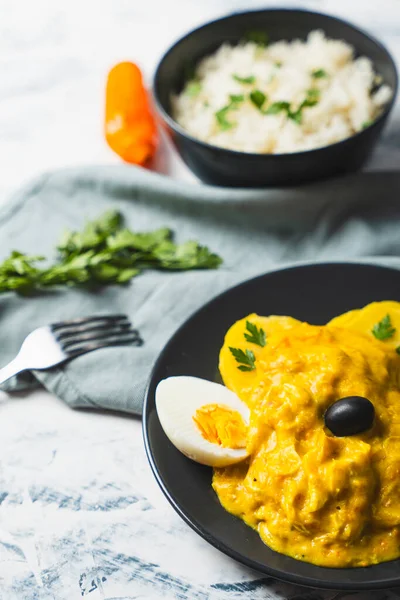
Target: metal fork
x: 53, y: 344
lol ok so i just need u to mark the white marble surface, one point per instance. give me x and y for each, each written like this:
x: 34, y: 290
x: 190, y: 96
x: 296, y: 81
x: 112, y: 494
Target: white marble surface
x: 80, y: 512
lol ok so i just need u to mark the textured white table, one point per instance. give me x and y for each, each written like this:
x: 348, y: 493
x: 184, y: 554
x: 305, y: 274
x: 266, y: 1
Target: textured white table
x: 80, y: 512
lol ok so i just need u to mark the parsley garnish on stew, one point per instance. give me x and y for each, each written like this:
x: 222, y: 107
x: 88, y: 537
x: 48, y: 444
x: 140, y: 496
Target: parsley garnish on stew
x: 256, y: 335
x: 384, y: 329
x: 246, y: 359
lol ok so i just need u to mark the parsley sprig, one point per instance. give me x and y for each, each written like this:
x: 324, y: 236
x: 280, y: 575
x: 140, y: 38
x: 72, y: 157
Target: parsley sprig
x: 384, y: 330
x: 256, y: 335
x: 246, y: 359
x: 104, y: 253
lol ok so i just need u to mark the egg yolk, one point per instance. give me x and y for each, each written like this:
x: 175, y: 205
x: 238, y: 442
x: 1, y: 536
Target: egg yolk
x: 222, y: 426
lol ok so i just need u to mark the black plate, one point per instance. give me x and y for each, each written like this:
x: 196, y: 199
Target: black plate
x: 313, y: 293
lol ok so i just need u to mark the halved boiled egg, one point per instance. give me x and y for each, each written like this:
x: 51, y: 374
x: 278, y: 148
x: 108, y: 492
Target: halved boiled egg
x: 204, y: 420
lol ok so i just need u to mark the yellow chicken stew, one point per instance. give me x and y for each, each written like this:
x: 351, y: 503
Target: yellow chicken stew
x: 332, y: 501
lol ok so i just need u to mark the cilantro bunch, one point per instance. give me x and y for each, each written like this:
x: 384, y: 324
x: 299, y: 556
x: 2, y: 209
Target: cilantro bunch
x: 104, y: 253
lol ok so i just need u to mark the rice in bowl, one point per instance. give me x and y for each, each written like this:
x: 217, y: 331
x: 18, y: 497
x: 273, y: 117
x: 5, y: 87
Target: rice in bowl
x: 280, y: 98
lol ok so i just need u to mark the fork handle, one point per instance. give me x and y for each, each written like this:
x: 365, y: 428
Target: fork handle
x: 13, y: 368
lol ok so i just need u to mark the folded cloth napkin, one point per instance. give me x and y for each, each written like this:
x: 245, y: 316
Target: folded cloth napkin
x: 253, y: 230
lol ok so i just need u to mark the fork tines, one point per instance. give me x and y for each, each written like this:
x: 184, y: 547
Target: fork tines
x: 77, y: 336
x: 86, y: 320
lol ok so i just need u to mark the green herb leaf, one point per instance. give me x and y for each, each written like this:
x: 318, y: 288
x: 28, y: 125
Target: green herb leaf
x: 189, y: 255
x: 246, y: 80
x: 278, y: 65
x: 223, y: 122
x: 319, y: 74
x: 296, y: 116
x: 384, y: 329
x: 258, y: 37
x: 93, y: 235
x: 220, y: 115
x: 245, y: 359
x: 398, y: 349
x: 104, y: 253
x: 193, y: 88
x: 276, y: 108
x: 312, y: 97
x: 258, y: 98
x: 236, y: 98
x: 109, y: 222
x: 367, y: 124
x: 146, y: 241
x: 256, y: 335
x: 19, y: 272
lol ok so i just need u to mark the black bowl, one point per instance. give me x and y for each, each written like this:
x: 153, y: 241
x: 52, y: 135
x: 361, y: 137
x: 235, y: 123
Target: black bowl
x: 220, y: 166
x: 326, y: 291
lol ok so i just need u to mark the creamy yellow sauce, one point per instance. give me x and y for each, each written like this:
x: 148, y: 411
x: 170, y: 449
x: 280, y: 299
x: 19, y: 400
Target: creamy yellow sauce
x: 332, y: 501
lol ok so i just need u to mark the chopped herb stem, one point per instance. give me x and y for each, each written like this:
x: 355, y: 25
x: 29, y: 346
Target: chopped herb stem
x: 236, y: 98
x: 276, y: 108
x: 246, y: 80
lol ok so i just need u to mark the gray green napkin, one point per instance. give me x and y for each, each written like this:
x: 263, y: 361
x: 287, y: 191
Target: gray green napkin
x: 253, y: 230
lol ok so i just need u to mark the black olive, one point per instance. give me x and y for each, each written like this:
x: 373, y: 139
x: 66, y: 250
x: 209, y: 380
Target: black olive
x: 350, y: 416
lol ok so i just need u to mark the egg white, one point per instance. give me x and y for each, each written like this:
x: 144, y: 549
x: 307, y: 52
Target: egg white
x: 177, y: 399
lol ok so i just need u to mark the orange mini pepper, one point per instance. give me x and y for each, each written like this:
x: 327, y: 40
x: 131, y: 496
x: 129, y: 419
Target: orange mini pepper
x: 130, y: 128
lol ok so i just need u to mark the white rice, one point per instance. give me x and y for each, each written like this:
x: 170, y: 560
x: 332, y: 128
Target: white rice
x: 283, y: 71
